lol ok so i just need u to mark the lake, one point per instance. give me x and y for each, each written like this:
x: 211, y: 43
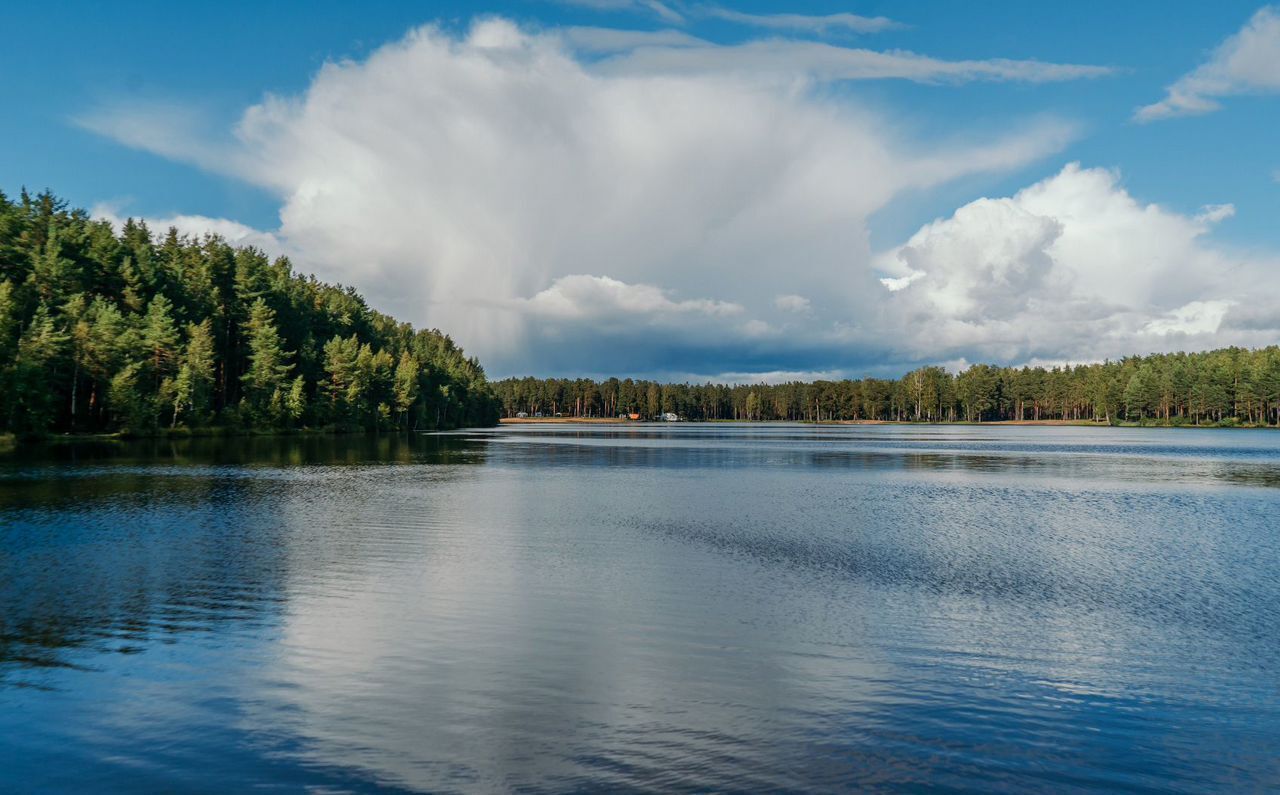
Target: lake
x: 641, y: 607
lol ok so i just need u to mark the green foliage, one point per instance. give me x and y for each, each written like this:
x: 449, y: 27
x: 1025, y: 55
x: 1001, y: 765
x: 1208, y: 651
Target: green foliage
x: 194, y: 389
x: 295, y: 400
x: 41, y: 350
x: 130, y: 408
x: 406, y: 385
x: 264, y: 380
x: 107, y: 332
x: 1232, y: 386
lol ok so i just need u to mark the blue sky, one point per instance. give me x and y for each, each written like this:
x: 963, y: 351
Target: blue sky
x: 81, y: 81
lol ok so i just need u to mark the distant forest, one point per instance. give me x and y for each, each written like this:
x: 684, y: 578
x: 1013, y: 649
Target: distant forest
x: 1233, y: 386
x: 102, y: 331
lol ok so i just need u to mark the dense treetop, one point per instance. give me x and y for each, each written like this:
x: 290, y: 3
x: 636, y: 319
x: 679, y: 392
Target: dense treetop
x: 1229, y: 386
x: 103, y: 331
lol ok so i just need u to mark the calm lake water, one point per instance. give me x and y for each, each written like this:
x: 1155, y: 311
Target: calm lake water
x: 692, y: 607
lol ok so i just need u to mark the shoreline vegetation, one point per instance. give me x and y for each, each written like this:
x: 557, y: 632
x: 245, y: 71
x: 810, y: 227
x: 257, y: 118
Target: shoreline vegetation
x: 992, y: 423
x: 141, y: 335
x: 204, y: 432
x: 1229, y: 387
x: 627, y: 421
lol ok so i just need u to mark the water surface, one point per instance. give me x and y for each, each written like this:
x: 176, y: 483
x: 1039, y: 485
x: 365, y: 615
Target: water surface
x: 692, y: 607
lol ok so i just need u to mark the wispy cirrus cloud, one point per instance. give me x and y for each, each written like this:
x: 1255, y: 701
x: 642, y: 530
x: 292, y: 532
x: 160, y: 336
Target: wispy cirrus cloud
x: 670, y: 51
x: 593, y: 40
x: 788, y: 59
x: 1248, y: 62
x: 679, y: 13
x: 803, y: 23
x: 663, y: 11
x: 178, y: 131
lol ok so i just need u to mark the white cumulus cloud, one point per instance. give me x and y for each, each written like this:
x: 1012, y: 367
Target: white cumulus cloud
x: 496, y: 183
x: 1073, y: 267
x: 581, y: 296
x: 1196, y: 317
x: 197, y: 226
x: 582, y: 201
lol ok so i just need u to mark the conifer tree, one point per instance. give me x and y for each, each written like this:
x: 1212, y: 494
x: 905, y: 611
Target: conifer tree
x: 264, y: 380
x: 406, y: 386
x: 41, y: 350
x: 193, y: 391
x: 160, y: 338
x: 10, y: 323
x: 295, y: 401
x: 54, y: 275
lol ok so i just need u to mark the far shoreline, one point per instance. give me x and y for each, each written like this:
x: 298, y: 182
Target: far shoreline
x: 999, y: 423
x: 621, y: 421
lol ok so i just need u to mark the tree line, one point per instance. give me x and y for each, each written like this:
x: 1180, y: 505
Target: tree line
x: 1232, y: 386
x: 129, y: 331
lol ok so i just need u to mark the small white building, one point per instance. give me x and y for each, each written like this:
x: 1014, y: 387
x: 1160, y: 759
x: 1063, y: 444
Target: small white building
x: 670, y: 416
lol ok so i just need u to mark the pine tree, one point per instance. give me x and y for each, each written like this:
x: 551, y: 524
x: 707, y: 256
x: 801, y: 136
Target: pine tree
x: 111, y: 338
x: 76, y: 311
x: 135, y: 290
x: 342, y: 387
x: 54, y: 275
x: 41, y: 350
x: 10, y: 323
x: 264, y: 380
x: 130, y: 406
x: 13, y: 255
x: 406, y: 386
x: 160, y: 337
x: 194, y: 384
x: 295, y: 401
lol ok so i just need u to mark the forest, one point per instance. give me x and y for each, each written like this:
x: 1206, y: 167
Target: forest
x: 1232, y: 386
x: 106, y: 331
